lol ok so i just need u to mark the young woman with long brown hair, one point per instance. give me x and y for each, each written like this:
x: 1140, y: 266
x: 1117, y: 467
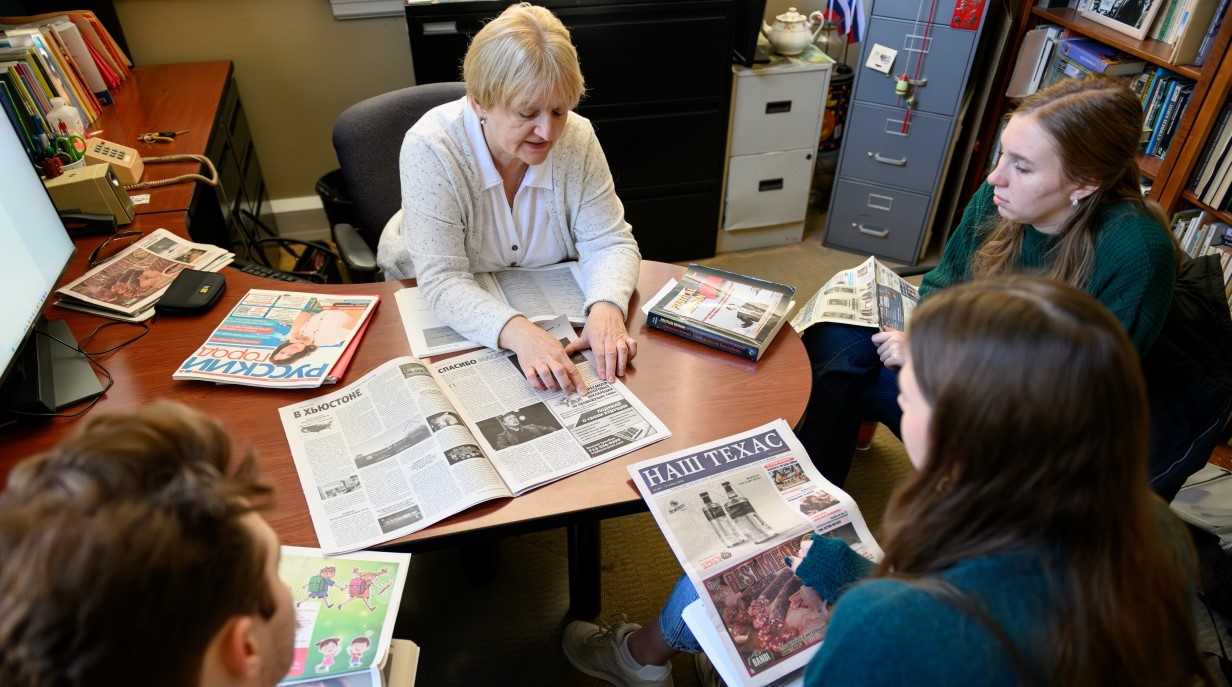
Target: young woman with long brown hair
x: 1064, y: 200
x: 1027, y: 549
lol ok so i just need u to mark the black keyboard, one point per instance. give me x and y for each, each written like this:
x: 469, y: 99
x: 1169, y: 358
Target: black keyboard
x: 268, y: 272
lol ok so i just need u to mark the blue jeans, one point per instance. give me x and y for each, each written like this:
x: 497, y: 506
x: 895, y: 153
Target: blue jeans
x: 671, y: 620
x: 850, y: 386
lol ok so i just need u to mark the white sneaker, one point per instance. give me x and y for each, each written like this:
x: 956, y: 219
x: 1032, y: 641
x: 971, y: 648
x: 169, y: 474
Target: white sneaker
x: 595, y: 650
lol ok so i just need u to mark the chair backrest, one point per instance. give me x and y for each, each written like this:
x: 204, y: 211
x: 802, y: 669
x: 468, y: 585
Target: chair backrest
x: 367, y: 138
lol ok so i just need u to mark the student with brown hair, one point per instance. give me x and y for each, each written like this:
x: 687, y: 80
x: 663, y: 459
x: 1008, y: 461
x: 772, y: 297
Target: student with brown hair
x: 133, y: 554
x: 1064, y: 200
x: 1027, y: 549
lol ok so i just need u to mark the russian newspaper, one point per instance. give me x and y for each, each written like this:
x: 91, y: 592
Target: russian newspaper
x: 732, y: 510
x: 282, y: 339
x: 870, y: 295
x: 411, y: 443
x: 540, y: 293
x: 127, y: 286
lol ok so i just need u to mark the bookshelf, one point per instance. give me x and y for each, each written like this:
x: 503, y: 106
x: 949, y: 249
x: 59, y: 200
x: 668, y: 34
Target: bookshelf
x: 1213, y: 82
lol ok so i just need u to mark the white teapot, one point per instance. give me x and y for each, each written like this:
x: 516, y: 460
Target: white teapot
x: 792, y: 31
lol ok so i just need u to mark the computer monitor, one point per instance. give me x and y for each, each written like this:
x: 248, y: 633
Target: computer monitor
x: 746, y: 27
x: 37, y: 373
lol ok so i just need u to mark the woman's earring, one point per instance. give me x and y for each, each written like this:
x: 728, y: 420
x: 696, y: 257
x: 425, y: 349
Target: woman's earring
x: 1073, y: 202
x: 484, y: 120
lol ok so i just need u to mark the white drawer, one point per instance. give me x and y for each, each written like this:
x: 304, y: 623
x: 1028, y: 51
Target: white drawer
x: 776, y: 111
x: 767, y: 189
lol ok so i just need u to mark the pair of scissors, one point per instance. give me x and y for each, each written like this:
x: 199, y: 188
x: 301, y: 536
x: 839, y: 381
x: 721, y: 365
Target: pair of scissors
x: 72, y: 145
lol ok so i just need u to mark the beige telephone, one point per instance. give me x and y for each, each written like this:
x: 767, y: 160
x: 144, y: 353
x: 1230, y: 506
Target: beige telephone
x: 125, y: 162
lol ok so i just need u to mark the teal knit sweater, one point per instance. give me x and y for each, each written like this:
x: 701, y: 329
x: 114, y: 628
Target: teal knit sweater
x: 1133, y: 274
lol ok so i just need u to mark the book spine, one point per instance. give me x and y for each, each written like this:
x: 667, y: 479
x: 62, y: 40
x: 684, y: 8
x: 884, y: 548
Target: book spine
x: 1208, y: 151
x: 1183, y: 93
x: 1208, y: 39
x: 1099, y: 59
x: 1167, y: 109
x: 671, y: 325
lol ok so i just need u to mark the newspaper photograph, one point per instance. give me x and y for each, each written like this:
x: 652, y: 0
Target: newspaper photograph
x: 539, y: 293
x: 870, y: 295
x: 132, y: 281
x: 411, y: 443
x: 731, y: 510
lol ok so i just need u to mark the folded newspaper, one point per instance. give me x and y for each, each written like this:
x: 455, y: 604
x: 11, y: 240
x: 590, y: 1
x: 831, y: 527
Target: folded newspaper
x: 731, y: 510
x: 127, y: 286
x: 411, y: 443
x: 282, y: 339
x: 870, y: 295
x: 540, y: 293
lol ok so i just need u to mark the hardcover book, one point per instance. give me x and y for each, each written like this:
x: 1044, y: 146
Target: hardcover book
x: 729, y: 311
x: 1099, y: 58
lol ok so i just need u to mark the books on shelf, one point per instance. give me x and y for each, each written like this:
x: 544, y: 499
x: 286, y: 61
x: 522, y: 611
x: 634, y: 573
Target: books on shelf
x: 731, y: 510
x: 870, y: 295
x: 1033, y: 59
x: 1213, y: 151
x: 410, y: 443
x: 1190, y: 30
x: 1208, y: 39
x: 1179, y: 93
x: 728, y: 311
x: 1098, y: 58
x: 345, y: 608
x: 127, y: 286
x: 282, y: 339
x: 539, y: 293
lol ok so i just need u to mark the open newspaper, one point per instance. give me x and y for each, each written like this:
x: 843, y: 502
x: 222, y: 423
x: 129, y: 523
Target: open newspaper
x: 540, y: 293
x: 870, y: 294
x: 345, y: 609
x: 127, y: 286
x: 732, y: 510
x: 412, y: 443
x: 282, y: 339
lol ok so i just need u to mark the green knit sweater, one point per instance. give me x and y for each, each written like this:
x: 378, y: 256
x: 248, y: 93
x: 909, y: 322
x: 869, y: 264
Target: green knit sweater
x: 1133, y: 274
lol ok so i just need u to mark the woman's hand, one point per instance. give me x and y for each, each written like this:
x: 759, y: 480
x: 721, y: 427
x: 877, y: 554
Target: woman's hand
x: 543, y: 359
x: 605, y: 334
x: 891, y: 346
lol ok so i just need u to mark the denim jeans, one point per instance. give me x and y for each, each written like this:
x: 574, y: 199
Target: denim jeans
x: 671, y: 618
x: 850, y: 386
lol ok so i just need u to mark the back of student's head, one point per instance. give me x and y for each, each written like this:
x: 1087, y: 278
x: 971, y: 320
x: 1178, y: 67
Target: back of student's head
x: 1038, y: 440
x: 125, y: 551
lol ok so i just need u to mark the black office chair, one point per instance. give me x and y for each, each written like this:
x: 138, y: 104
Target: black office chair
x: 367, y: 138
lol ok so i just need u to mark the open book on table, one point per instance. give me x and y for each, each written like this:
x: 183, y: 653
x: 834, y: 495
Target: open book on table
x: 870, y: 295
x: 127, y: 286
x: 345, y: 608
x: 732, y: 312
x: 411, y: 443
x: 540, y: 293
x: 282, y: 339
x: 731, y: 510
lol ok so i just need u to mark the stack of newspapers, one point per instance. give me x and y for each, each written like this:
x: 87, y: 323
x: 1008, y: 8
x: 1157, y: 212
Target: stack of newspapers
x: 127, y: 286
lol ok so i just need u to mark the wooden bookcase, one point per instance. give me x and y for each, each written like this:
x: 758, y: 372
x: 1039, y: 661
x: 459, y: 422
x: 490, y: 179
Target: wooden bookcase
x: 1170, y: 175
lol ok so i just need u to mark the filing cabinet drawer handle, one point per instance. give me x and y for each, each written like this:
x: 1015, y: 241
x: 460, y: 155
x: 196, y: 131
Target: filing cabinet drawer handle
x: 440, y: 28
x: 770, y: 184
x: 877, y: 201
x: 778, y: 107
x: 900, y: 162
x: 878, y: 233
x: 918, y: 82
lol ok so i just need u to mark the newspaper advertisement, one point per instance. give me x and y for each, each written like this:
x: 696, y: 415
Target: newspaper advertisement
x: 731, y: 510
x: 539, y: 293
x: 283, y: 339
x: 870, y: 295
x: 129, y: 284
x: 411, y: 443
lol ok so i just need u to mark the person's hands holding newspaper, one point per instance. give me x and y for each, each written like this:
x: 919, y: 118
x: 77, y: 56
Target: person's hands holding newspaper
x: 542, y: 358
x: 892, y: 347
x: 605, y: 334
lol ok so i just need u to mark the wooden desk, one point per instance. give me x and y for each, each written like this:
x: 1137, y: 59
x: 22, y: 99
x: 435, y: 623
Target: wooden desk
x: 699, y: 392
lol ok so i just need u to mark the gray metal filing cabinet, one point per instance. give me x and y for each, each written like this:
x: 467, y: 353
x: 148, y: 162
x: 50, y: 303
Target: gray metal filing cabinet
x: 894, y: 157
x: 774, y: 131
